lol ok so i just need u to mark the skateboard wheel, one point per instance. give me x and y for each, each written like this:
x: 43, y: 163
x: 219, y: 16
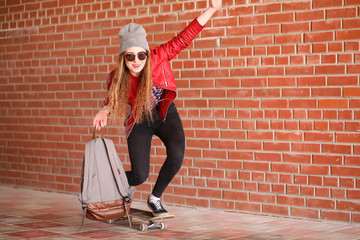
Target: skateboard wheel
x: 162, y: 225
x: 110, y: 221
x: 143, y: 227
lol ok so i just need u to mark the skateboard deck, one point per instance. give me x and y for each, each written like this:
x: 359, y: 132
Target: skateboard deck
x: 149, y: 219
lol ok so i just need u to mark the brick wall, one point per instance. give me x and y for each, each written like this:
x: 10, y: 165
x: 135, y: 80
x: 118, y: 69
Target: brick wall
x: 268, y: 93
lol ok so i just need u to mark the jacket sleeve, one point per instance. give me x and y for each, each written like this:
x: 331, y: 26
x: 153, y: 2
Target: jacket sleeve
x: 180, y: 42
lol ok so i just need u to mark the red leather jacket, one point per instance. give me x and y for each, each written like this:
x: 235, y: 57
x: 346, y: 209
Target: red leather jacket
x: 162, y: 75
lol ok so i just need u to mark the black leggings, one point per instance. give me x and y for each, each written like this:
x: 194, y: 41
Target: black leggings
x: 171, y: 133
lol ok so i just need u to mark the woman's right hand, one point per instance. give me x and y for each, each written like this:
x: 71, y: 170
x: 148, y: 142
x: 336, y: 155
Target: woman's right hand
x: 100, y: 119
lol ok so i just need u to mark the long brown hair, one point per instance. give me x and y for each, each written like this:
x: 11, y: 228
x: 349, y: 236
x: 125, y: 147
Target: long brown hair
x: 119, y: 93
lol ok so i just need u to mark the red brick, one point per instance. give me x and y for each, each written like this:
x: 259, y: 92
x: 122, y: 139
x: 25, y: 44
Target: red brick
x: 299, y: 70
x: 266, y: 29
x: 287, y: 38
x: 265, y: 198
x: 252, y: 20
x: 235, y: 195
x: 341, y: 13
x: 353, y: 194
x: 248, y: 145
x: 326, y: 25
x: 350, y: 138
x: 197, y: 202
x: 351, y: 2
x: 209, y: 193
x: 278, y: 103
x: 267, y: 8
x: 319, y: 37
x: 348, y: 206
x: 336, y: 148
x: 295, y: 27
x: 256, y: 166
x: 273, y: 50
x: 247, y: 206
x: 315, y: 170
x: 285, y: 167
x: 305, y: 212
x: 333, y: 103
x: 280, y: 17
x: 247, y: 103
x: 233, y: 42
x: 335, y: 215
x: 241, y: 10
x: 253, y: 61
x: 273, y: 157
x: 275, y: 209
x: 351, y: 23
x: 330, y: 92
x: 295, y: 6
x: 321, y: 203
x: 270, y: 71
x: 326, y: 4
x: 302, y: 103
x: 286, y: 81
x: 347, y: 34
x: 236, y: 31
x: 353, y: 69
x: 330, y: 69
x: 306, y: 147
x: 242, y: 72
x: 346, y: 58
x: 267, y: 93
x: 342, y: 80
x: 293, y: 201
x: 310, y: 15
x: 259, y: 40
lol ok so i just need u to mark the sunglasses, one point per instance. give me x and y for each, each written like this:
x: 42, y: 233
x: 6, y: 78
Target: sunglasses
x: 131, y: 57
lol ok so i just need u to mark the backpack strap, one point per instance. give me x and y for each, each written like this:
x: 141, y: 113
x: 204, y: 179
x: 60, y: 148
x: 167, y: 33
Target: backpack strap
x: 84, y: 209
x: 119, y: 174
x: 86, y: 181
x: 117, y: 169
x: 88, y: 168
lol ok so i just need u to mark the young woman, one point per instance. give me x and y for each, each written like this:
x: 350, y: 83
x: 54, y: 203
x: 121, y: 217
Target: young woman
x: 141, y: 91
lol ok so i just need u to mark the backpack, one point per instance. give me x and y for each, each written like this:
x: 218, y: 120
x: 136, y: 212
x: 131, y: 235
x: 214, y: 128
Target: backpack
x: 105, y: 192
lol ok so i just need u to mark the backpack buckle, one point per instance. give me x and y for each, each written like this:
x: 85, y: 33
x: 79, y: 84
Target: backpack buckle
x: 127, y: 199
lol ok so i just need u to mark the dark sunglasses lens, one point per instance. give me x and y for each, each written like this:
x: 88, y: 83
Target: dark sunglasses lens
x: 130, y: 57
x: 142, y: 56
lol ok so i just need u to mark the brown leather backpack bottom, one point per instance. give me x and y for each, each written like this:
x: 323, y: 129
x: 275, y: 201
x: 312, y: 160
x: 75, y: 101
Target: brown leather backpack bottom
x: 107, y: 210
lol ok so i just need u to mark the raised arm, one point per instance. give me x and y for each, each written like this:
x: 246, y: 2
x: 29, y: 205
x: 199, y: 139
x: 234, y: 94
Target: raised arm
x: 205, y: 16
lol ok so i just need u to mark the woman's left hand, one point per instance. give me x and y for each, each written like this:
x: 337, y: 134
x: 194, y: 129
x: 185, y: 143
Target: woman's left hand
x: 216, y: 4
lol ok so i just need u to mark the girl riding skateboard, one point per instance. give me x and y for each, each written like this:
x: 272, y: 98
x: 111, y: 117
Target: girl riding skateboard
x: 141, y: 91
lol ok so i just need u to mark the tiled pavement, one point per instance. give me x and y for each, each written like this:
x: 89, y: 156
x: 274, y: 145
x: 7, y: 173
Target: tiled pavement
x: 29, y: 214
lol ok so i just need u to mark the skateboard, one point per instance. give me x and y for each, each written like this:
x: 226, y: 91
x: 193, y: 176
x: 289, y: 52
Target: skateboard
x: 147, y: 216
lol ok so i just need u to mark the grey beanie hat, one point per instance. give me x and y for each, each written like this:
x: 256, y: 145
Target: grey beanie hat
x: 133, y: 35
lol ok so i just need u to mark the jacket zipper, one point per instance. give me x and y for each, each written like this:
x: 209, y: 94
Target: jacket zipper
x: 163, y: 72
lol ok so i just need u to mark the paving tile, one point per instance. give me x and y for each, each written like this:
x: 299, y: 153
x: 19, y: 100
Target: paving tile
x: 40, y: 225
x: 167, y: 234
x: 7, y: 237
x: 32, y: 234
x: 101, y: 234
x: 231, y: 232
x: 46, y: 216
x: 268, y: 236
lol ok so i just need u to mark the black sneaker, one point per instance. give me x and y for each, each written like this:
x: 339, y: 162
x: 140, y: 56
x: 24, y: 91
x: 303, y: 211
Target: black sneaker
x: 157, y: 208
